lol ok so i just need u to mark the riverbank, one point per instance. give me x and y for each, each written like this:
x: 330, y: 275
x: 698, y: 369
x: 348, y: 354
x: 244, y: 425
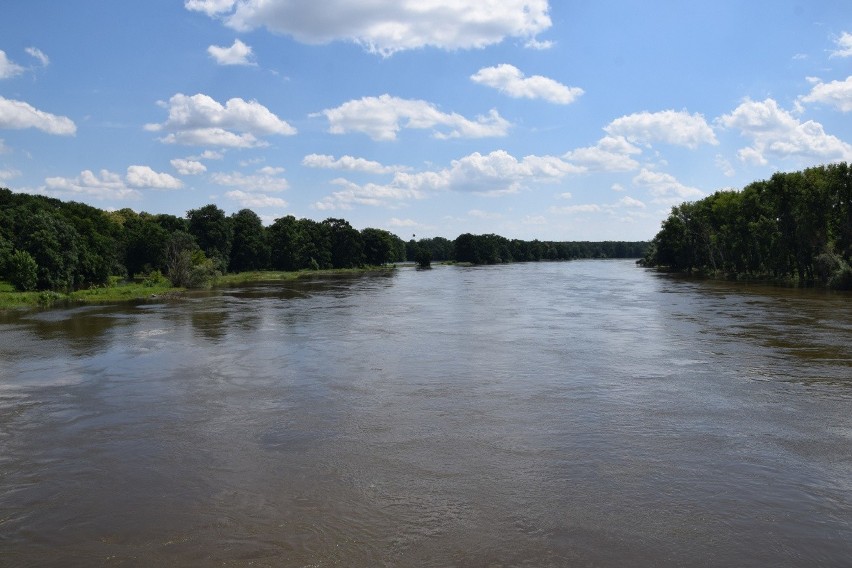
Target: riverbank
x: 276, y: 275
x: 120, y: 292
x: 841, y: 281
x: 126, y: 291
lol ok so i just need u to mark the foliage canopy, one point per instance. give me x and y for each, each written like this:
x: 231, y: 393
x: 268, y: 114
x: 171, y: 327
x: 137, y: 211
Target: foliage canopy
x: 48, y: 244
x: 794, y: 225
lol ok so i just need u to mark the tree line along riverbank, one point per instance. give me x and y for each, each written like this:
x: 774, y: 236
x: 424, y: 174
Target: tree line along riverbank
x: 51, y: 248
x: 794, y: 226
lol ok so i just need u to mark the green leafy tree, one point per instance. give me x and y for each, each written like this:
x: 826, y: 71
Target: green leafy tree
x: 171, y: 223
x: 398, y: 249
x: 793, y: 225
x: 284, y: 243
x: 179, y: 258
x: 22, y: 271
x: 100, y: 243
x: 250, y: 249
x: 313, y: 245
x: 298, y: 244
x: 213, y: 232
x: 439, y: 248
x: 482, y: 249
x: 411, y: 248
x: 54, y: 245
x: 347, y: 248
x: 146, y: 245
x: 839, y: 180
x: 379, y: 246
x: 5, y: 253
x: 423, y: 258
x: 465, y: 248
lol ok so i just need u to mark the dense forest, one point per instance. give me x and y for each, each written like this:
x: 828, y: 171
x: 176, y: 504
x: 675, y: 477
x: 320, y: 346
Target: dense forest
x: 48, y: 244
x: 794, y: 226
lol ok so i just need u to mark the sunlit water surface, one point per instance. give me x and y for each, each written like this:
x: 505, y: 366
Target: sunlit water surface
x: 588, y: 413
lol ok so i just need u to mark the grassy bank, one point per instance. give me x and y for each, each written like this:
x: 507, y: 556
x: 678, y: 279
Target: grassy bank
x: 11, y: 299
x: 275, y: 275
x: 129, y: 291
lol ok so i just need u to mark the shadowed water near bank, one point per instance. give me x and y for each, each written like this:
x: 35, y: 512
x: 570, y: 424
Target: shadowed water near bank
x: 586, y: 413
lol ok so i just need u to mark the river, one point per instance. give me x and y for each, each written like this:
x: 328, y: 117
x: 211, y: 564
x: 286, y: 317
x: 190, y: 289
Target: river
x: 587, y: 413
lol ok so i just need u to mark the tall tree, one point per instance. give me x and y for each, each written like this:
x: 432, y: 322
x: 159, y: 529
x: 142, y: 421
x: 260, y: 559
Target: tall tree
x: 54, y: 246
x: 313, y: 243
x: 283, y: 242
x: 214, y: 233
x: 347, y: 248
x: 250, y: 248
x: 379, y: 246
x: 146, y: 244
x: 181, y: 253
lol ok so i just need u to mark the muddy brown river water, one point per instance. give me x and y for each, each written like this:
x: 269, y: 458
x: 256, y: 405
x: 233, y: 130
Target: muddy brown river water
x: 588, y: 413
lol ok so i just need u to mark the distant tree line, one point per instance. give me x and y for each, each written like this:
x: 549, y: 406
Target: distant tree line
x: 494, y: 249
x: 792, y: 226
x: 48, y: 244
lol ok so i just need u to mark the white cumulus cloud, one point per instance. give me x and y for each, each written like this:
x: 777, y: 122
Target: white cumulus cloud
x: 844, y: 46
x: 8, y: 68
x: 348, y: 163
x: 109, y: 185
x: 678, y: 128
x: 381, y: 118
x: 540, y: 45
x: 665, y: 188
x: 386, y: 26
x: 18, y: 114
x: 499, y: 172
x: 262, y: 181
x: 628, y: 201
x: 144, y: 176
x: 7, y: 174
x: 104, y: 185
x: 270, y: 170
x: 496, y: 173
x: 370, y: 194
x: 200, y: 120
x: 213, y: 137
x: 510, y: 80
x: 610, y: 154
x: 776, y: 132
x: 186, y: 167
x: 255, y: 200
x: 210, y: 7
x: 837, y: 94
x: 208, y: 155
x: 396, y: 222
x: 625, y: 209
x: 238, y: 54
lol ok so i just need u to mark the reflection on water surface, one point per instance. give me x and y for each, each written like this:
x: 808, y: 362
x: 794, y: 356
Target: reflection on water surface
x: 553, y: 414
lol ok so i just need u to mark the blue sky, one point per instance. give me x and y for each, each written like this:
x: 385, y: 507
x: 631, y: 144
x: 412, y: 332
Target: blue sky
x: 579, y: 120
